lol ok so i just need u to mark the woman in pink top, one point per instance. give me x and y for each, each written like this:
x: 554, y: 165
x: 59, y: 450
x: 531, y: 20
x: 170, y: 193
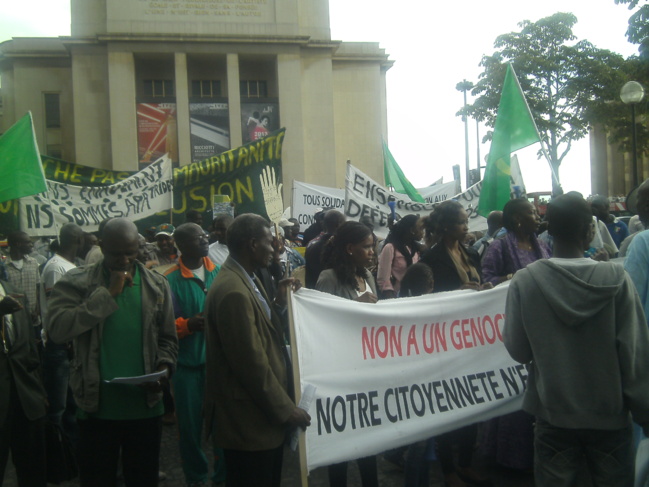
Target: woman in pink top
x: 400, y: 251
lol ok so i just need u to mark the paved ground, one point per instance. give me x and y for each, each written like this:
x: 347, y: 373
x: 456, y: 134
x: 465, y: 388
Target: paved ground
x: 389, y: 475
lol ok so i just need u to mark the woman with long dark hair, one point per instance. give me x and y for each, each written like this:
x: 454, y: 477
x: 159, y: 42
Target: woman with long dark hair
x: 454, y: 267
x: 347, y: 257
x: 400, y: 251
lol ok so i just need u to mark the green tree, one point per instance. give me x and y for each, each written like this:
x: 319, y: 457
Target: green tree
x: 615, y: 116
x: 638, y: 31
x: 562, y: 79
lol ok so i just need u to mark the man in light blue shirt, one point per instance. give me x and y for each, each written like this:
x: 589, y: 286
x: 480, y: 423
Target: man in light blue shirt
x: 637, y: 260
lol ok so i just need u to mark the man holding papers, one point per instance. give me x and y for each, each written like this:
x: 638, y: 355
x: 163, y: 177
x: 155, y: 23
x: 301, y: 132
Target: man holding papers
x: 120, y: 318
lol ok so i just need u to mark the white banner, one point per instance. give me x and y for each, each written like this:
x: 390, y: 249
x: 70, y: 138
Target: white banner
x: 439, y: 192
x: 308, y: 197
x: 366, y: 197
x: 145, y: 193
x: 401, y: 370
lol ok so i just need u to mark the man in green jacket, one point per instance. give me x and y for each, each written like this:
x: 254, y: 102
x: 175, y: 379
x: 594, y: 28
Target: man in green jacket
x: 119, y: 316
x: 189, y: 281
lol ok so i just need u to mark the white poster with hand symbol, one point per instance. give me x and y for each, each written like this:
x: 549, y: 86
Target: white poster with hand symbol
x: 272, y: 194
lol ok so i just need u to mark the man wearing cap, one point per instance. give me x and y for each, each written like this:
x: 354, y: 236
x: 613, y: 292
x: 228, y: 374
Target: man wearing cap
x: 119, y: 316
x: 165, y: 248
x: 293, y: 233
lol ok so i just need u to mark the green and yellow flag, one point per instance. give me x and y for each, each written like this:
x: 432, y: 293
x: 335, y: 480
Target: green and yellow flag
x: 21, y: 170
x: 514, y: 130
x: 395, y: 178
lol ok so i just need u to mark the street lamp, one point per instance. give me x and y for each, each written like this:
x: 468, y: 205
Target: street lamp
x: 465, y: 86
x: 632, y: 93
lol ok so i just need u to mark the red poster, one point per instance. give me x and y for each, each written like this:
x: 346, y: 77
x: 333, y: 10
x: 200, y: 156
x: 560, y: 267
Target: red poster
x: 156, y: 131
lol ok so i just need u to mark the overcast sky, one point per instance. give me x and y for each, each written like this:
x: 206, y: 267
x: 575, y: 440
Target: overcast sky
x: 434, y: 45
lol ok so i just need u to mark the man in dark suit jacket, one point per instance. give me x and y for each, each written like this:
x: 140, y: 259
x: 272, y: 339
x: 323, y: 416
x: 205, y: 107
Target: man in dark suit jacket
x: 22, y: 397
x: 246, y: 395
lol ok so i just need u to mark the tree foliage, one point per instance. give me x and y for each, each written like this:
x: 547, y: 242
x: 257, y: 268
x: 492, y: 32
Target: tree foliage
x: 563, y: 79
x: 638, y: 30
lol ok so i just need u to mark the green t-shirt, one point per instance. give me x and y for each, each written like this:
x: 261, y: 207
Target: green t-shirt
x: 121, y: 355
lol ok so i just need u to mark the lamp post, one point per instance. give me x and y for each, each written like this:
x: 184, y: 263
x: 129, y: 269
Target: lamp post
x: 632, y: 93
x: 465, y: 86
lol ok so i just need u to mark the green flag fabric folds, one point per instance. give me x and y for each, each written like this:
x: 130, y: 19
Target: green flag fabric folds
x: 514, y: 130
x: 395, y: 178
x: 21, y: 170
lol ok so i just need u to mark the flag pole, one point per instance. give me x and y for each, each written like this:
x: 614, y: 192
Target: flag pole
x: 304, y: 474
x: 543, y: 149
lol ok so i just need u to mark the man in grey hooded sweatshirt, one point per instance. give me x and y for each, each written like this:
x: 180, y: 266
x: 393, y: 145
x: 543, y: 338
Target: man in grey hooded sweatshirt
x: 580, y: 326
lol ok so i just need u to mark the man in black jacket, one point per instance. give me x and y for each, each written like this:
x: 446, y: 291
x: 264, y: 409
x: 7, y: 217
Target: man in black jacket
x: 22, y: 397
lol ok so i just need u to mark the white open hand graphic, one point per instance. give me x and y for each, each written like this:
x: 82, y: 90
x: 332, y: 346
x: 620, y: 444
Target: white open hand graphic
x: 272, y: 194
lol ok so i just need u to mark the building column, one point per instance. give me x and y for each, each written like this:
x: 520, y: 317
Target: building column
x: 234, y: 100
x: 123, y: 113
x: 123, y: 110
x: 289, y: 86
x: 182, y: 109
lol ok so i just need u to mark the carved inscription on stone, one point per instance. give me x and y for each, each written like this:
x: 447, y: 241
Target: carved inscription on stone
x: 233, y: 10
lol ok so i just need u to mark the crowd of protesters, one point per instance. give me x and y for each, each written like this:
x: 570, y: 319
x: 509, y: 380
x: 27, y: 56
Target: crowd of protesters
x: 196, y: 321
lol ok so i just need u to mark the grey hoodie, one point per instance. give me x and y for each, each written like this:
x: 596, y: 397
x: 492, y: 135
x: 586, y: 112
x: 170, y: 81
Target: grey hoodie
x: 582, y: 328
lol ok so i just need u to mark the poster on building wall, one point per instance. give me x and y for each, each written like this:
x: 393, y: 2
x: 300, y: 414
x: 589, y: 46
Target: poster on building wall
x: 157, y: 132
x: 209, y: 129
x: 258, y: 119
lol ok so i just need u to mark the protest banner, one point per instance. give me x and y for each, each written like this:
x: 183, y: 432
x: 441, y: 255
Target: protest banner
x: 234, y: 173
x: 366, y: 197
x: 143, y: 194
x: 439, y: 192
x: 307, y: 198
x: 402, y: 370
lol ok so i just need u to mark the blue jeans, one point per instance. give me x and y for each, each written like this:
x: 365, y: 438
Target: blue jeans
x: 560, y: 454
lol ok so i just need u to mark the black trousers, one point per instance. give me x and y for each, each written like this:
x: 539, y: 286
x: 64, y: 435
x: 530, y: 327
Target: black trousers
x: 366, y: 467
x: 464, y: 438
x: 258, y: 468
x: 26, y: 440
x: 100, y: 442
x: 560, y: 454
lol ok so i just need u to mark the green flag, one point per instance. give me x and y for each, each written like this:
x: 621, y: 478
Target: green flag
x: 21, y: 170
x: 394, y: 177
x: 514, y: 130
